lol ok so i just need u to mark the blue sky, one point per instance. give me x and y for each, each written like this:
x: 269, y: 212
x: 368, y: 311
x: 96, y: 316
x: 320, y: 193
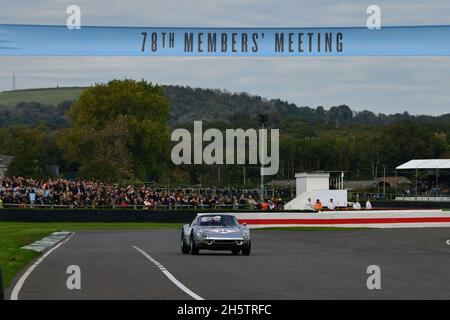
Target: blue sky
x: 418, y: 85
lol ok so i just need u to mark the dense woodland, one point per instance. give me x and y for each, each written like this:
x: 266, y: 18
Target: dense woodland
x: 337, y: 138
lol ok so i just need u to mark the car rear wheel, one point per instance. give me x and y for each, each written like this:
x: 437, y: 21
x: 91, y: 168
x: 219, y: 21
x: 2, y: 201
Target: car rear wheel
x: 184, y: 248
x: 194, y: 249
x: 247, y: 249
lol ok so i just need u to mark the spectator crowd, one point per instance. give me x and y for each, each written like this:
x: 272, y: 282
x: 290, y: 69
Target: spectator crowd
x: 19, y: 191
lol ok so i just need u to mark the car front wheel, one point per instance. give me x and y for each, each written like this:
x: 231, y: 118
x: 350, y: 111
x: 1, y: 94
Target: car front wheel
x: 184, y: 248
x: 194, y: 249
x: 247, y: 249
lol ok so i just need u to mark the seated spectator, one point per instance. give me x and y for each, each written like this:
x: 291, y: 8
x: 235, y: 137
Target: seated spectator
x: 309, y: 204
x: 331, y: 205
x: 20, y: 191
x: 271, y: 205
x: 252, y: 203
x: 356, y: 205
x: 318, y: 206
x: 147, y: 204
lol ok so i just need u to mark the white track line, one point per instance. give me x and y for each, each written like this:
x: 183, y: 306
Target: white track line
x: 19, y: 284
x: 169, y: 275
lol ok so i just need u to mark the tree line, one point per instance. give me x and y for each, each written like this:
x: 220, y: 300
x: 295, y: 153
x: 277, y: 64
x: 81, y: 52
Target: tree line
x: 119, y: 131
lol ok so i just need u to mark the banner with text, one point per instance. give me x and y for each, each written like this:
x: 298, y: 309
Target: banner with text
x: 41, y: 40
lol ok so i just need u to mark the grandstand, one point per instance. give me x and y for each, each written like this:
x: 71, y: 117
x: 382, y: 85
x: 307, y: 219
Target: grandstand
x: 427, y: 189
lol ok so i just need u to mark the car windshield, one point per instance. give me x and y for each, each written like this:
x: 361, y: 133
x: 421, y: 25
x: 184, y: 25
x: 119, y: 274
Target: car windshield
x: 217, y: 221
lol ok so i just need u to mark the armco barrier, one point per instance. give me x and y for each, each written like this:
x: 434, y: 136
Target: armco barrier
x: 411, y: 204
x: 80, y: 215
x: 360, y: 218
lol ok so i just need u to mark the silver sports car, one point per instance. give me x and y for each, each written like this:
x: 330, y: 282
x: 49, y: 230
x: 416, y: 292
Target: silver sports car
x: 215, y: 232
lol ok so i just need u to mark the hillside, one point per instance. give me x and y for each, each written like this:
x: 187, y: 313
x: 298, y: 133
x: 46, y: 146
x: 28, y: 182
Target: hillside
x: 187, y: 104
x: 47, y: 96
x: 34, y: 106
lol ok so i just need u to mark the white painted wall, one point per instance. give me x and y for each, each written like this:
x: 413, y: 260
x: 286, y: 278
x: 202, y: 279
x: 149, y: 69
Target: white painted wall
x: 334, y: 218
x: 306, y: 182
x: 315, y: 186
x: 299, y: 203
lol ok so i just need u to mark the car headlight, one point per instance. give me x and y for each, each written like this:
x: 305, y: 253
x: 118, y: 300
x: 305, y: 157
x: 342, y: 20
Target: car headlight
x: 200, y: 234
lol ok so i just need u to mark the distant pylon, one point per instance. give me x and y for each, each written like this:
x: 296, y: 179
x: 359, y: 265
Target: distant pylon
x: 14, y: 81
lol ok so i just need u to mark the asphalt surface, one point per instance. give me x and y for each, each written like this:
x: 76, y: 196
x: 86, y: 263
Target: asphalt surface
x: 415, y: 264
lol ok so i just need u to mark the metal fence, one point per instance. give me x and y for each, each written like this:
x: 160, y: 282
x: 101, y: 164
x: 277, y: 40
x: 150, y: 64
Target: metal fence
x: 136, y: 207
x: 352, y: 196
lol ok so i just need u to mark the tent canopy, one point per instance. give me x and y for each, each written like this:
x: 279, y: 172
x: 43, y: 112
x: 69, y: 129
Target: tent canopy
x: 426, y: 164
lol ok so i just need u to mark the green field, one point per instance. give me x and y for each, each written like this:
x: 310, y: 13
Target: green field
x: 14, y: 235
x: 47, y: 96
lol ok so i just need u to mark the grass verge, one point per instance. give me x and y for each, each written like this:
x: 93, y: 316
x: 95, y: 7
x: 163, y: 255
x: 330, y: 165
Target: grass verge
x: 15, y: 235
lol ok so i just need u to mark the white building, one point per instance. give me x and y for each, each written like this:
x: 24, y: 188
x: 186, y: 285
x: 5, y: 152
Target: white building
x: 316, y: 186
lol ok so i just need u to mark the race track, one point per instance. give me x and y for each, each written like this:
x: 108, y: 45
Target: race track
x: 283, y: 265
